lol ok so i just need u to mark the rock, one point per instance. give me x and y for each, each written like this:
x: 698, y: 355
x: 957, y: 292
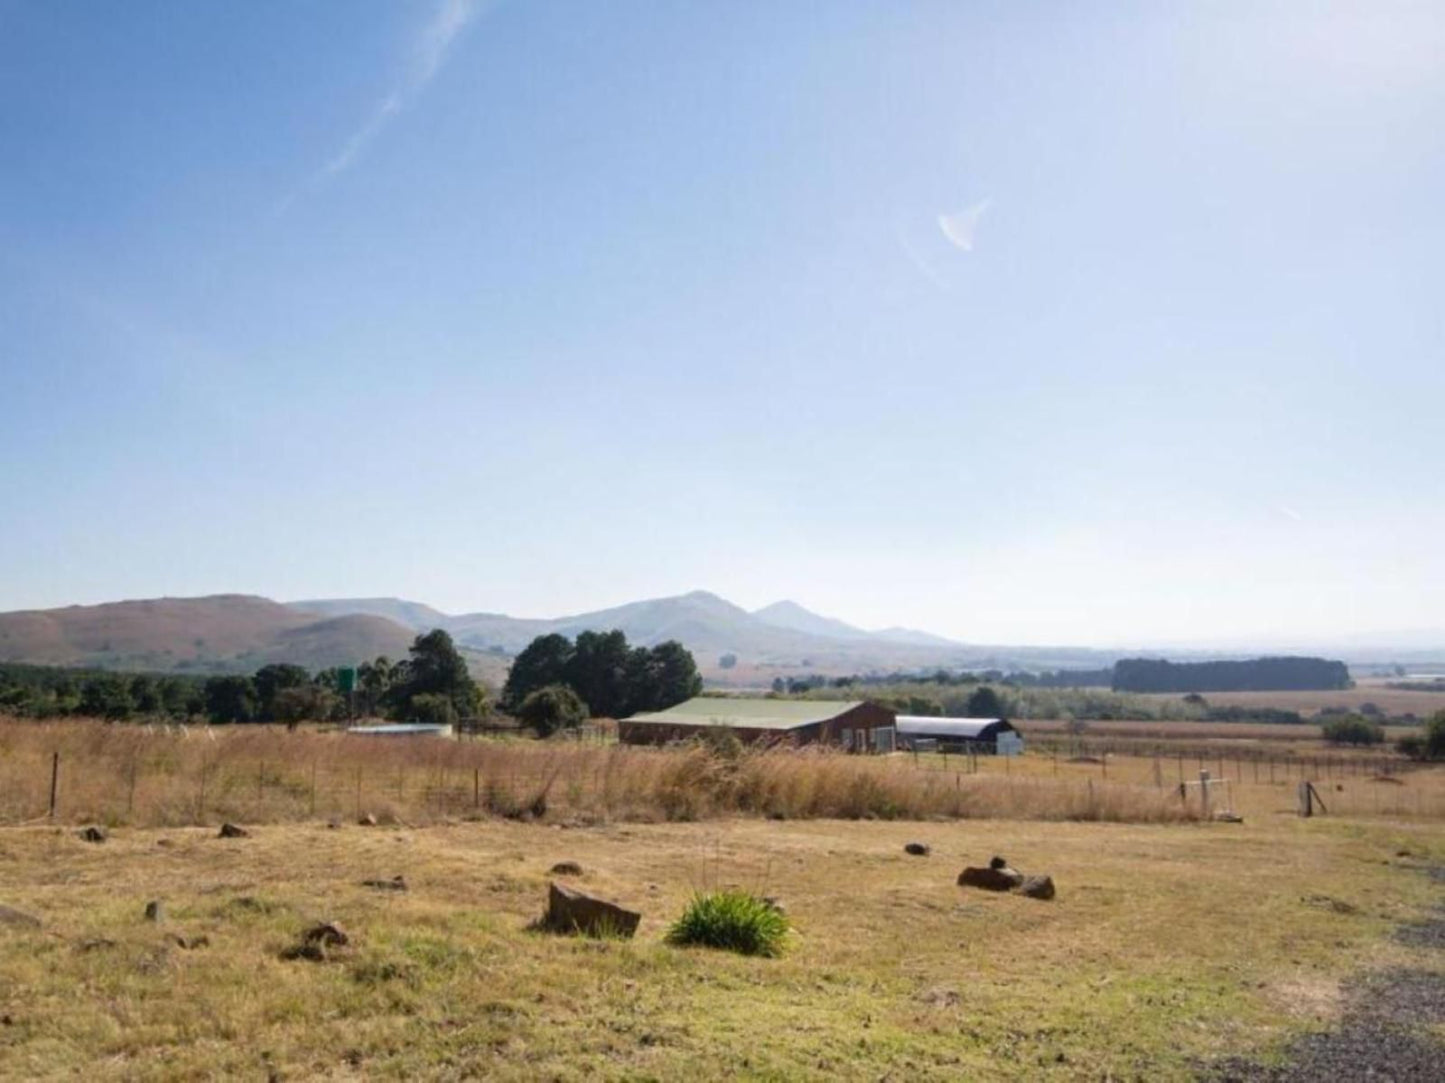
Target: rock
x: 367, y: 820
x: 18, y: 919
x: 1038, y: 887
x: 991, y: 879
x: 326, y: 935
x: 772, y: 902
x: 231, y: 831
x: 156, y: 911
x: 396, y: 883
x: 997, y: 862
x: 917, y: 849
x: 93, y: 834
x: 573, y: 911
x: 566, y: 868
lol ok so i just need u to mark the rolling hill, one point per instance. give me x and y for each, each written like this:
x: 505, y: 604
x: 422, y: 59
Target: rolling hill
x: 220, y: 633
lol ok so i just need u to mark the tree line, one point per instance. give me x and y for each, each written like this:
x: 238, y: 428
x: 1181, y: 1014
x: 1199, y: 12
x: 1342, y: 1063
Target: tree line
x: 432, y: 684
x: 1254, y: 675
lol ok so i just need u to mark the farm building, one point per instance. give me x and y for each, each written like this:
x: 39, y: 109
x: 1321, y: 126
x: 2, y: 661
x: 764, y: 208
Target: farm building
x: 855, y: 726
x: 991, y: 736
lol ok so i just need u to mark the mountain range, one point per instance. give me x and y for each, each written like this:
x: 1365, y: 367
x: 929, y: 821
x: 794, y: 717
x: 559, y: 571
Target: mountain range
x: 233, y: 632
x: 733, y: 646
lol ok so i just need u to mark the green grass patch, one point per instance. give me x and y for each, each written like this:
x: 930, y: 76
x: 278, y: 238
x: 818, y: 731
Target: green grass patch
x: 733, y: 921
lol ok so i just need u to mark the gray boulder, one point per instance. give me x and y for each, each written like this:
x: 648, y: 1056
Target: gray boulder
x: 156, y: 911
x: 1038, y: 887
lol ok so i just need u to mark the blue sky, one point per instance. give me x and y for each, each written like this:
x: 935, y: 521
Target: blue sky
x: 538, y: 307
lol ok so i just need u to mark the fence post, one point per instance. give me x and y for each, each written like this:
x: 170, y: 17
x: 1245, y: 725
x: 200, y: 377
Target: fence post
x: 54, y: 781
x: 1204, y: 795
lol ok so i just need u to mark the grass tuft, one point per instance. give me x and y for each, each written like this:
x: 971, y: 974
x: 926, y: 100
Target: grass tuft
x: 733, y: 921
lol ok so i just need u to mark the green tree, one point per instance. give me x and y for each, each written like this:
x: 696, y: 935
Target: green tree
x: 435, y: 668
x: 145, y: 694
x: 106, y: 696
x: 676, y: 676
x: 598, y: 672
x: 1435, y: 737
x: 271, y: 680
x: 553, y: 708
x: 542, y: 662
x: 230, y: 699
x: 375, y: 679
x: 985, y: 703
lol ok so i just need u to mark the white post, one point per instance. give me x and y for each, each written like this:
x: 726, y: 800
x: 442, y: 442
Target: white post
x: 1204, y: 793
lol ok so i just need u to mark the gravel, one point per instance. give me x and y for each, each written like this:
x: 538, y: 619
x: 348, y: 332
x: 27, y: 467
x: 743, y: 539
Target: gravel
x: 1382, y: 1034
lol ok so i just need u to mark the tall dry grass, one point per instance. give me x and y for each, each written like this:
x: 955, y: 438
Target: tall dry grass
x: 140, y: 775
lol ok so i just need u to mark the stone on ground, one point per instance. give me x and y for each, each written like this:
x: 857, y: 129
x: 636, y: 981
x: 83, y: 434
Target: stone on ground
x: 573, y: 911
x: 1038, y: 887
x: 990, y: 879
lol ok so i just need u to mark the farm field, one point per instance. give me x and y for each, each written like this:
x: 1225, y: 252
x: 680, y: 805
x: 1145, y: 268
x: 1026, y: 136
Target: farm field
x: 1167, y: 947
x: 1392, y: 701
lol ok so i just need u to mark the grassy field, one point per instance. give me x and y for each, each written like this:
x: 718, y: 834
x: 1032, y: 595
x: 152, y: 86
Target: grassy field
x: 1172, y: 941
x: 1168, y: 945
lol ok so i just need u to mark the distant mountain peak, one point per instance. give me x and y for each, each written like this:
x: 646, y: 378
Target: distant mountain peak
x: 794, y: 617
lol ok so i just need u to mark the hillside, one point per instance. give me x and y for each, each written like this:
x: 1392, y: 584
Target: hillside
x: 224, y: 632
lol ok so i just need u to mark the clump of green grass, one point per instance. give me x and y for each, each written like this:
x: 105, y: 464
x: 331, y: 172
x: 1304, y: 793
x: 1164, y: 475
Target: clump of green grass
x: 734, y: 921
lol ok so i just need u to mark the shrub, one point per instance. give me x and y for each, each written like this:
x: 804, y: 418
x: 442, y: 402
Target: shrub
x: 1352, y: 730
x: 1412, y: 745
x: 550, y: 709
x: 1435, y: 737
x: 433, y: 709
x: 733, y: 921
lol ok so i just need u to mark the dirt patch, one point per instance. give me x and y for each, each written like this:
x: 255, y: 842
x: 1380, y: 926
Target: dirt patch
x: 1384, y: 1031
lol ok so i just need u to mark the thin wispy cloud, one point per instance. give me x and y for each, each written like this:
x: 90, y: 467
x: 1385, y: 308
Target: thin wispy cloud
x: 960, y: 226
x: 429, y: 53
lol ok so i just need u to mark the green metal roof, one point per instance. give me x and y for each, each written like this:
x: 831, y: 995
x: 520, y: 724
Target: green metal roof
x: 748, y: 714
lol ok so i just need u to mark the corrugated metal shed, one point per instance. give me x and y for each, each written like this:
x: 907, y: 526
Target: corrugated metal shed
x: 960, y: 729
x: 987, y: 734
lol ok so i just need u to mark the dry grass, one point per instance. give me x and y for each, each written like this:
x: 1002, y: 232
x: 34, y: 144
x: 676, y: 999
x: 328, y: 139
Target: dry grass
x: 1167, y: 945
x: 139, y: 776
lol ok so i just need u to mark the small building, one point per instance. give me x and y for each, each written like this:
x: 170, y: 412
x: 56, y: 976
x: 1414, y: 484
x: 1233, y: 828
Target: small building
x: 853, y: 725
x: 987, y: 736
